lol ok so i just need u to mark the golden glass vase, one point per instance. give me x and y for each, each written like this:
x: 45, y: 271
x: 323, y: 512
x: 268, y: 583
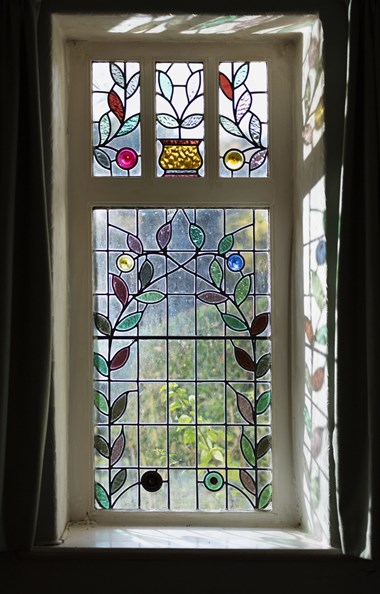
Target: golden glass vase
x: 180, y: 157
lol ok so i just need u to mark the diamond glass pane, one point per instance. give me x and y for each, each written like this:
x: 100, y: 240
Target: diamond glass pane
x: 182, y: 359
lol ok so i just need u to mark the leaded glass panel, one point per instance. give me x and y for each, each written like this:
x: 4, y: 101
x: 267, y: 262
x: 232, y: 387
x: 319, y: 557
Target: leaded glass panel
x: 182, y: 359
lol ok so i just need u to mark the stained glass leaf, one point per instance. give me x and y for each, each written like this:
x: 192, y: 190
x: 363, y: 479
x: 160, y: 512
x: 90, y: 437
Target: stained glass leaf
x: 104, y: 128
x: 242, y: 289
x: 255, y: 129
x: 259, y: 324
x: 101, y: 364
x: 212, y: 297
x: 244, y: 359
x: 247, y: 481
x: 103, y: 324
x: 216, y: 273
x: 197, y: 235
x: 307, y: 95
x: 167, y: 120
x: 263, y: 402
x: 146, y: 273
x: 102, y: 158
x: 192, y: 121
x: 150, y: 297
x: 117, y: 75
x: 120, y: 288
x: 225, y: 244
x: 193, y: 85
x: 308, y: 379
x: 234, y: 322
x: 258, y: 159
x: 129, y: 125
x: 101, y: 446
x: 120, y: 358
x: 263, y: 365
x: 309, y: 330
x: 248, y: 450
x: 317, y: 290
x: 164, y: 235
x: 225, y: 85
x: 166, y: 85
x: 116, y: 105
x: 264, y: 446
x: 307, y: 419
x: 321, y: 335
x: 229, y: 126
x: 118, y: 448
x: 133, y: 85
x: 245, y: 408
x: 243, y: 106
x: 118, y: 480
x: 100, y: 402
x: 129, y: 322
x: 134, y: 244
x: 265, y: 497
x: 118, y: 407
x: 101, y: 496
x: 241, y: 75
x: 318, y: 379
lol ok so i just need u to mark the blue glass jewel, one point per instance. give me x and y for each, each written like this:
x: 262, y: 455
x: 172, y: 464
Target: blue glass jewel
x: 235, y: 262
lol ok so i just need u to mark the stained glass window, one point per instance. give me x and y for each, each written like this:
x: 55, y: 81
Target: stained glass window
x: 180, y: 119
x: 116, y: 118
x: 182, y: 359
x: 243, y: 119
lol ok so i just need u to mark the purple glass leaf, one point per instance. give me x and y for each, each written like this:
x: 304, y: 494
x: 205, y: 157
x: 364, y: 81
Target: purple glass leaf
x: 164, y: 235
x: 118, y: 448
x: 244, y: 359
x: 245, y: 408
x: 212, y: 297
x: 259, y: 323
x: 119, y: 359
x: 243, y: 106
x: 258, y: 159
x: 247, y: 481
x: 134, y: 244
x: 120, y: 288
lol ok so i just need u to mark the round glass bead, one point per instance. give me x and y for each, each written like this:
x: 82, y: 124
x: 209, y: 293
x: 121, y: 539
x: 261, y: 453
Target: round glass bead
x: 235, y: 262
x: 234, y: 159
x: 125, y: 263
x: 126, y: 158
x: 151, y: 481
x: 213, y: 481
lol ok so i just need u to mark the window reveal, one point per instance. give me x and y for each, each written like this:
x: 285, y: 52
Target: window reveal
x: 182, y: 357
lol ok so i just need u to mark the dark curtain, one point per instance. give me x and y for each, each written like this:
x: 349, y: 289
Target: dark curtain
x: 358, y: 401
x: 25, y: 278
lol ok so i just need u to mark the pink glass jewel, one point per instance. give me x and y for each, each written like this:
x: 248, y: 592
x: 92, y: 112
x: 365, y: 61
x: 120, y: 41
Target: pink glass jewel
x: 126, y: 158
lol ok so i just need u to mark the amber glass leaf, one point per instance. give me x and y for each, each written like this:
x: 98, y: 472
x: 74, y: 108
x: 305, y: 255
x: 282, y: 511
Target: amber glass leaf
x: 101, y: 446
x: 120, y: 358
x: 264, y: 446
x: 225, y: 244
x: 134, y: 244
x: 259, y: 323
x: 225, y: 85
x: 263, y: 402
x: 101, y: 496
x: 100, y: 402
x: 118, y: 407
x: 234, y: 322
x: 258, y: 159
x: 245, y: 408
x: 318, y: 379
x: 212, y: 297
x: 129, y: 322
x: 216, y: 273
x: 101, y: 364
x: 263, y: 365
x: 309, y: 330
x: 197, y: 235
x: 117, y: 74
x: 248, y: 450
x: 247, y: 481
x: 164, y: 235
x: 118, y: 480
x: 242, y: 289
x: 146, y: 273
x: 103, y: 324
x: 118, y: 448
x: 265, y: 496
x: 244, y: 359
x: 120, y: 288
x: 116, y: 105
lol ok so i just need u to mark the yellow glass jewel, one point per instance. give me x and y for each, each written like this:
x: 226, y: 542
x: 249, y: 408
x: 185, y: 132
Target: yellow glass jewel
x: 125, y: 263
x: 180, y: 154
x: 234, y: 159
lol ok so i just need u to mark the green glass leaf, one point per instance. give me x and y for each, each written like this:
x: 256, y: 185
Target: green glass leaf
x: 317, y: 290
x: 264, y: 446
x: 150, y: 297
x: 166, y: 85
x: 117, y: 74
x: 103, y: 324
x: 129, y: 322
x: 263, y: 402
x: 129, y: 125
x: 104, y: 128
x: 321, y: 335
x: 100, y: 402
x: 225, y: 244
x: 102, y: 158
x: 197, y: 235
x: 133, y: 84
x: 265, y: 497
x: 118, y: 480
x: 101, y: 445
x: 241, y: 75
x: 216, y: 273
x: 146, y: 273
x: 101, y: 496
x: 234, y: 322
x: 315, y: 492
x: 263, y: 365
x: 167, y: 120
x: 307, y: 419
x: 118, y: 407
x: 229, y: 126
x: 248, y: 450
x: 242, y: 289
x: 101, y: 364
